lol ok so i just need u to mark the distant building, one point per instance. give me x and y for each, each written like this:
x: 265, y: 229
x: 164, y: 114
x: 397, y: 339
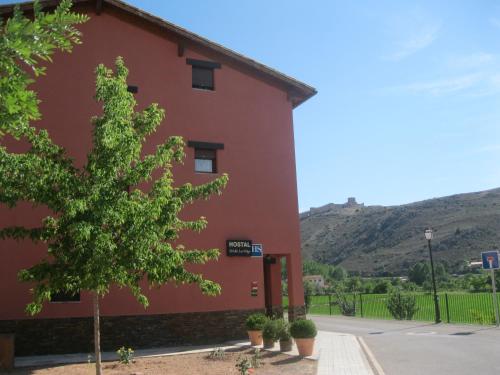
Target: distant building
x: 351, y: 203
x: 316, y: 280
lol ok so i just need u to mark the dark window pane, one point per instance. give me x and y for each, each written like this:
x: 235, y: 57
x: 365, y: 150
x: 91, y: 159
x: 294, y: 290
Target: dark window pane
x: 133, y: 89
x: 65, y: 297
x: 200, y: 153
x: 203, y: 78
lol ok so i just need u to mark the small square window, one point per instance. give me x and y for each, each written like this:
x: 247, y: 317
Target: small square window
x: 133, y: 89
x: 205, y: 160
x: 65, y: 297
x: 203, y: 78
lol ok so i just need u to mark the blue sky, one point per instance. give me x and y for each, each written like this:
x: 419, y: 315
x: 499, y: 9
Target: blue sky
x: 408, y: 91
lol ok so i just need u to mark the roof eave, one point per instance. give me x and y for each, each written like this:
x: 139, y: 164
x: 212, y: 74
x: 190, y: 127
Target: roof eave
x: 298, y: 92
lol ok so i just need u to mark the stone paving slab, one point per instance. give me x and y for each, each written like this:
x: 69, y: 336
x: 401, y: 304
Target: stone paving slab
x: 341, y: 354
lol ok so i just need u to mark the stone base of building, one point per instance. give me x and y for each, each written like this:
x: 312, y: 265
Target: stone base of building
x: 275, y: 312
x: 76, y: 335
x: 296, y: 312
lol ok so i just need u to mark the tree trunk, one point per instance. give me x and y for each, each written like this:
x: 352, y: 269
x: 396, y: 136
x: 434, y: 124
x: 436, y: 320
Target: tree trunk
x: 97, y: 335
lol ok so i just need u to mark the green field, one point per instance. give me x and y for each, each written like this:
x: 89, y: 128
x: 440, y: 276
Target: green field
x: 470, y: 308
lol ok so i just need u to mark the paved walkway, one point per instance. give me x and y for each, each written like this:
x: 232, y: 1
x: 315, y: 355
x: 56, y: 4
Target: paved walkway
x: 336, y: 353
x: 340, y: 354
x: 423, y: 348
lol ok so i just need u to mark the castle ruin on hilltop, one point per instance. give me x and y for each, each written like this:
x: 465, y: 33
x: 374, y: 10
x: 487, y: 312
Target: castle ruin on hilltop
x: 351, y: 203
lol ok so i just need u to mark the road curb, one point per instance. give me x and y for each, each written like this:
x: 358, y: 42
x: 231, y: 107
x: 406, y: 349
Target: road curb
x: 377, y: 369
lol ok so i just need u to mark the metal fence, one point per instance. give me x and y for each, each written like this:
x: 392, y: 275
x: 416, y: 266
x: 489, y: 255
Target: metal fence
x: 469, y: 308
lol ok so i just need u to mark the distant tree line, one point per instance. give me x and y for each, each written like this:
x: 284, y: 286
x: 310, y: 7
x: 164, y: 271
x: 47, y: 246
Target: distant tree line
x: 418, y: 278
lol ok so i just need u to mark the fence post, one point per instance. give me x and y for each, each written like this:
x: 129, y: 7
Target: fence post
x: 354, y: 302
x: 361, y: 303
x: 447, y: 308
x: 330, y: 303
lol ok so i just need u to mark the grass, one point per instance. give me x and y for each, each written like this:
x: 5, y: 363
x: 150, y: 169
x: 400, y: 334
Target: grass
x: 456, y: 307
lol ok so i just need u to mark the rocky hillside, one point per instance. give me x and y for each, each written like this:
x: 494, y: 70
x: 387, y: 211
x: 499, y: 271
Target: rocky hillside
x: 377, y: 240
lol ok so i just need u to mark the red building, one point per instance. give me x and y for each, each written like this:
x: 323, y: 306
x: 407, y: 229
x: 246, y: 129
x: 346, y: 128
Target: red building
x: 236, y: 117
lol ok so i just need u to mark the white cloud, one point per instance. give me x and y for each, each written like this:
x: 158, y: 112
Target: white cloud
x: 442, y: 86
x: 495, y: 22
x: 416, y: 42
x: 489, y: 148
x: 475, y: 60
x: 472, y: 85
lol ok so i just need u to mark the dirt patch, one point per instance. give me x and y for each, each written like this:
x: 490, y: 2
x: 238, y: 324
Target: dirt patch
x: 188, y: 364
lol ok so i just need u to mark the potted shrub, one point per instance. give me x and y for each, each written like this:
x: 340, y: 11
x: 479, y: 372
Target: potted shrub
x: 304, y: 331
x: 283, y: 330
x: 255, y: 324
x: 270, y: 333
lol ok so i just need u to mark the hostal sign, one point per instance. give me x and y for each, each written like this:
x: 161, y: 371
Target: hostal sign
x: 241, y: 248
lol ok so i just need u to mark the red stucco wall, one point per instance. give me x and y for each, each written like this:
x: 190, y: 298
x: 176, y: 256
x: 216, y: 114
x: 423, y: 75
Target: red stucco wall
x: 251, y: 117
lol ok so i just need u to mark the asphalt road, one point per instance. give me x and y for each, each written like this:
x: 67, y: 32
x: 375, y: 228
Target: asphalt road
x: 419, y: 348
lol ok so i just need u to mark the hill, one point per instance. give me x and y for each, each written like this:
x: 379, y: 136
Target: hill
x: 383, y: 240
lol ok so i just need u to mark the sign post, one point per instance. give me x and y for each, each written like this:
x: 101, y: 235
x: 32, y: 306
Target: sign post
x: 490, y: 261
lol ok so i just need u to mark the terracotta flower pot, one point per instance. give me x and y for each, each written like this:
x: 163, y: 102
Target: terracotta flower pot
x: 268, y: 343
x: 305, y: 346
x: 255, y: 337
x: 286, y: 345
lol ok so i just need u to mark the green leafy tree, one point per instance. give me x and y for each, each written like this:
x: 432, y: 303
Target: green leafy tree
x: 112, y: 223
x: 382, y: 287
x: 478, y: 283
x: 308, y: 293
x: 419, y: 273
x: 338, y: 273
x: 354, y: 284
x: 346, y: 303
x: 409, y: 286
x: 402, y: 307
x: 25, y: 44
x: 367, y: 287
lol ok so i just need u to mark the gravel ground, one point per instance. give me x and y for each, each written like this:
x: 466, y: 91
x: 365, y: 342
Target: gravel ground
x: 188, y: 364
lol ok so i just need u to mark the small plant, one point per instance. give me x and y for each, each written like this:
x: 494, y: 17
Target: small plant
x: 402, y: 307
x: 479, y: 317
x: 308, y: 293
x: 217, y: 353
x: 243, y: 365
x: 347, y: 308
x: 255, y: 322
x: 283, y: 330
x: 303, y: 329
x: 125, y: 355
x: 270, y: 330
x: 256, y: 359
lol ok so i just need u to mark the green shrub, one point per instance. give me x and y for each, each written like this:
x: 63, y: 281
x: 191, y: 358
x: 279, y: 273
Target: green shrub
x: 255, y: 322
x: 482, y: 317
x: 243, y: 365
x: 125, y: 355
x: 402, y: 307
x: 270, y: 330
x: 217, y: 353
x: 256, y: 360
x: 308, y: 293
x: 303, y: 329
x: 283, y: 329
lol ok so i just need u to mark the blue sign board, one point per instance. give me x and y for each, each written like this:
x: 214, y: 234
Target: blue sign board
x: 490, y: 260
x: 257, y: 250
